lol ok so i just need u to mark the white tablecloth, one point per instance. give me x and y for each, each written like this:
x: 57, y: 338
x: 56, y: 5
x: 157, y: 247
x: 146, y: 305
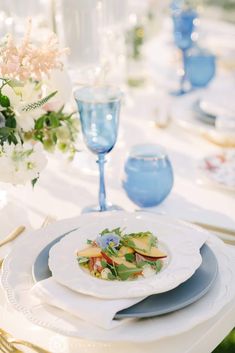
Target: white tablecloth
x: 64, y: 189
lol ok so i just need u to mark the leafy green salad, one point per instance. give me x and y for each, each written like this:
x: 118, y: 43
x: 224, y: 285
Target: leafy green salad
x: 116, y: 255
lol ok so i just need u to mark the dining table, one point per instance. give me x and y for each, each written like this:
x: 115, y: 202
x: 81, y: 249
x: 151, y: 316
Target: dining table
x: 66, y: 187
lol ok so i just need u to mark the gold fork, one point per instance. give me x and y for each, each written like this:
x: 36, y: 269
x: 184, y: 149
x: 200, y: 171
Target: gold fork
x: 11, y: 340
x: 49, y: 219
x: 13, y: 235
x: 6, y: 347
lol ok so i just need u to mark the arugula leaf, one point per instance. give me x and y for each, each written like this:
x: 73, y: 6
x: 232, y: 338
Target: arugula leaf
x: 140, y: 234
x: 130, y: 257
x: 111, y: 277
x: 125, y: 272
x: 117, y: 231
x: 89, y: 242
x: 103, y: 263
x: 159, y: 265
x: 127, y: 242
x: 82, y: 260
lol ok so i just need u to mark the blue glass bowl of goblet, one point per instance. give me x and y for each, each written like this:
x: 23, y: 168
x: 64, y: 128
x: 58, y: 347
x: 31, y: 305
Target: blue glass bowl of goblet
x: 148, y: 177
x: 200, y: 67
x: 184, y: 24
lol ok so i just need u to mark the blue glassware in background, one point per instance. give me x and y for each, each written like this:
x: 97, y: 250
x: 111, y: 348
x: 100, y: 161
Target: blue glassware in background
x: 200, y: 67
x: 99, y: 109
x: 183, y: 28
x: 148, y: 177
x: 184, y: 25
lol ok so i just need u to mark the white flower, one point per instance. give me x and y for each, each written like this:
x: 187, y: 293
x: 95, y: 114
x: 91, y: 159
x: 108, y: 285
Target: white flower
x: 21, y: 96
x: 26, y: 120
x: 21, y: 163
x: 59, y: 81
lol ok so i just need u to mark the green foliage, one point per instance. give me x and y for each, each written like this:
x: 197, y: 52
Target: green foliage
x: 135, y: 41
x: 34, y: 181
x: 228, y: 344
x: 39, y: 103
x: 56, y: 129
x: 4, y: 101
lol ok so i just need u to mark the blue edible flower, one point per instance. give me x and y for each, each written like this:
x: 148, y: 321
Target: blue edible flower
x: 109, y: 239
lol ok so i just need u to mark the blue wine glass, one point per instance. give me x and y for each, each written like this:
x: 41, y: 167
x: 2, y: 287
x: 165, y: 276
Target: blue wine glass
x: 148, y: 177
x: 184, y: 26
x: 99, y: 109
x: 200, y: 67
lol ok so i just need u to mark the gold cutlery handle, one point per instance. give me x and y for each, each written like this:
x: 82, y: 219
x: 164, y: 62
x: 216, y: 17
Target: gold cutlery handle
x: 13, y: 235
x: 28, y: 344
x: 215, y: 228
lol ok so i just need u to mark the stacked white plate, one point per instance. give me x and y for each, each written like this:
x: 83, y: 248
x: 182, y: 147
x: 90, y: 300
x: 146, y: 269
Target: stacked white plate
x: 182, y: 242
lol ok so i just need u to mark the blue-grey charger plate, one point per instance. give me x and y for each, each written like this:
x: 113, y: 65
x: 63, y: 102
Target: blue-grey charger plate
x: 159, y: 304
x: 206, y: 118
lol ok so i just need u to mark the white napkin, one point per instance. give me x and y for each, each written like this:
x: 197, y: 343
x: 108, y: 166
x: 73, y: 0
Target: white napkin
x: 99, y: 312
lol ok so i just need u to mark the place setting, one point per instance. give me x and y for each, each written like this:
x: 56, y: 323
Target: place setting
x: 62, y: 279
x: 116, y: 189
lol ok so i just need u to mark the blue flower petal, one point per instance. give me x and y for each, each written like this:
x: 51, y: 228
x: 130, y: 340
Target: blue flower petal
x: 109, y: 239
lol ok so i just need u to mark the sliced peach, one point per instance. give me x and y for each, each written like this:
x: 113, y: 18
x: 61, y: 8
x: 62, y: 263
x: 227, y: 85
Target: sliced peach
x: 153, y: 253
x: 141, y: 243
x: 90, y: 252
x: 142, y: 246
x: 117, y: 260
x: 125, y: 250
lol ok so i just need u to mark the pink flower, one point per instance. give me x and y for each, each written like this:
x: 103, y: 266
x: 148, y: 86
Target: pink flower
x: 27, y: 61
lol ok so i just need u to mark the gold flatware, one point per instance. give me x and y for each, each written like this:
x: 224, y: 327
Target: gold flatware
x: 11, y: 340
x: 226, y: 234
x: 13, y: 235
x: 6, y: 347
x: 216, y: 229
x: 49, y: 219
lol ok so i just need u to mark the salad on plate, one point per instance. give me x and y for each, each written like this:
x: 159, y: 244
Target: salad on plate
x: 117, y: 255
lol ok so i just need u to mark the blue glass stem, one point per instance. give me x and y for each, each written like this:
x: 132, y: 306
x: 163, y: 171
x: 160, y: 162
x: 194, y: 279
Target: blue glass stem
x: 183, y: 78
x: 102, y: 194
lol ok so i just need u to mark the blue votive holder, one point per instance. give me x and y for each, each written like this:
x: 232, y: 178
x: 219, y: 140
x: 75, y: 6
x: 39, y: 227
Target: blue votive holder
x: 148, y: 175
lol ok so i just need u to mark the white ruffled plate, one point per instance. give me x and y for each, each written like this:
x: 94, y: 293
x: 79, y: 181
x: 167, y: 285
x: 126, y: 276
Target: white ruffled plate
x: 183, y: 249
x: 183, y: 114
x: 17, y: 282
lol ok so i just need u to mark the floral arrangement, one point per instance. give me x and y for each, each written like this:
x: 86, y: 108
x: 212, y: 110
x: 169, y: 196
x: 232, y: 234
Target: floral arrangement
x: 32, y: 116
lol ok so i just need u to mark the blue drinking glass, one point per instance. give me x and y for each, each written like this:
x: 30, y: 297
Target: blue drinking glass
x: 99, y: 109
x: 148, y: 177
x: 200, y: 67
